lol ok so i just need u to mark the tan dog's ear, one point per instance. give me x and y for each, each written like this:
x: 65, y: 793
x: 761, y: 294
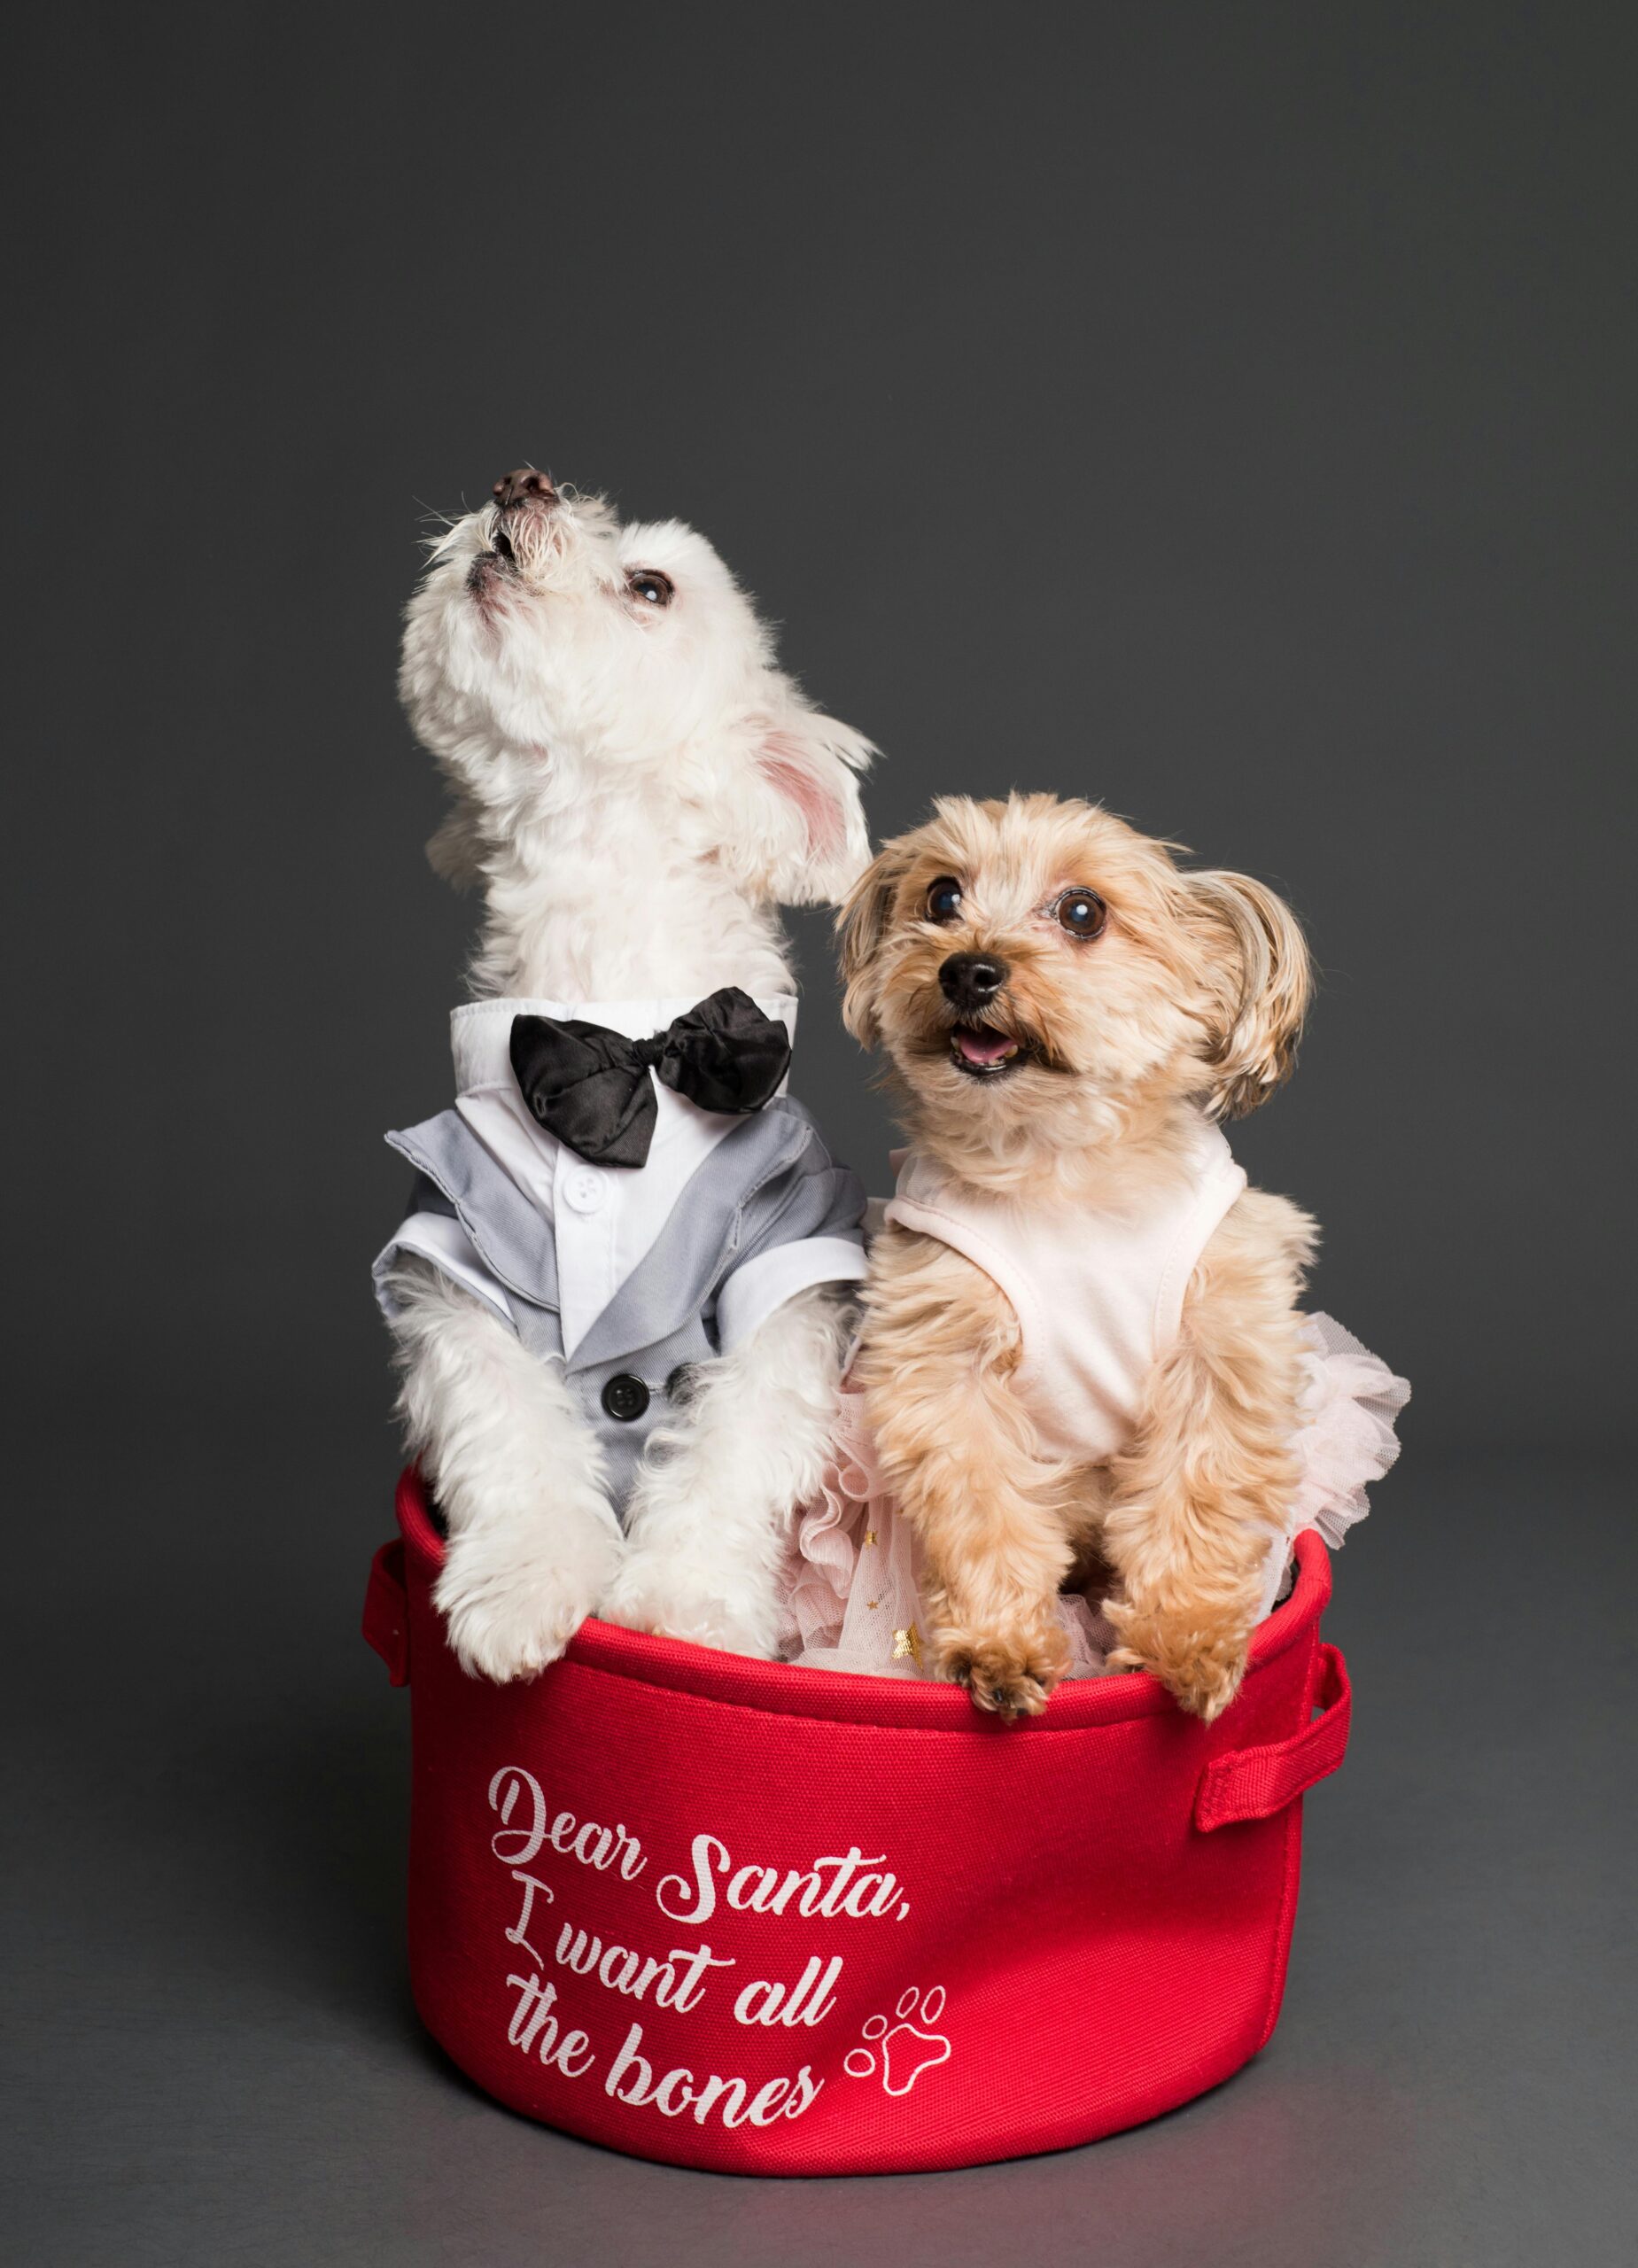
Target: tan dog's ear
x: 860, y: 927
x: 1267, y: 979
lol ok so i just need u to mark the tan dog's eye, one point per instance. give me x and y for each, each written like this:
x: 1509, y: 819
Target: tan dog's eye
x: 651, y: 587
x: 1080, y: 913
x: 943, y: 900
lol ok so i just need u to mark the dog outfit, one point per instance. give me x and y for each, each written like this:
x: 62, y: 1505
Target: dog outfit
x: 667, y: 1233
x: 1098, y: 1291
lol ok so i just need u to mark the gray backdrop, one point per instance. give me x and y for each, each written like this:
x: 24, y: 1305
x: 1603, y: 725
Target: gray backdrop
x: 1225, y: 412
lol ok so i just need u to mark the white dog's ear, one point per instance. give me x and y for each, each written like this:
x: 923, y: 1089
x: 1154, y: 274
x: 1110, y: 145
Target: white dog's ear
x: 800, y: 838
x: 860, y: 927
x: 1261, y: 960
x: 454, y: 852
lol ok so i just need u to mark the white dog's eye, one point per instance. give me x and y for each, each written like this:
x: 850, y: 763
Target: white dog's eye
x: 943, y: 900
x: 647, y: 584
x: 1080, y: 913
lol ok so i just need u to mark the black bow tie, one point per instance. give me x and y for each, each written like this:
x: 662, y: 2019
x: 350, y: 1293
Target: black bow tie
x: 590, y: 1086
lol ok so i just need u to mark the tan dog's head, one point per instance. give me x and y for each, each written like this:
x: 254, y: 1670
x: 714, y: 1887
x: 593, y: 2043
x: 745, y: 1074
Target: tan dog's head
x: 1041, y: 976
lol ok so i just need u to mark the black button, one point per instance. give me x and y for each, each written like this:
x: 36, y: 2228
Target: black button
x: 680, y: 1384
x: 625, y: 1397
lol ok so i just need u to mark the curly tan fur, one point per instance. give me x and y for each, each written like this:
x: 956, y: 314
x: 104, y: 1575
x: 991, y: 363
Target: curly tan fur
x: 1195, y: 1501
x: 1191, y: 1000
x: 936, y: 1355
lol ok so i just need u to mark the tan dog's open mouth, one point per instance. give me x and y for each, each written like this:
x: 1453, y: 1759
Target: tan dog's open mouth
x: 981, y: 1052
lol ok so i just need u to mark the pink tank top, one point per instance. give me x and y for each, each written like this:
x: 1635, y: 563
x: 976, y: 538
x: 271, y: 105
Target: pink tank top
x: 1097, y: 1291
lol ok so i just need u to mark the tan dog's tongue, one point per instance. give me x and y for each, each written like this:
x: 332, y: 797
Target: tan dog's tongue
x: 984, y: 1046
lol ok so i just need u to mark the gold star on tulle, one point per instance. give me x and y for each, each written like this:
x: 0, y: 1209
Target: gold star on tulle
x: 870, y: 1537
x: 907, y: 1645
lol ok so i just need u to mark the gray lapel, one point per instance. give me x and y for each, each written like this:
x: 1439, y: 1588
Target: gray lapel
x: 513, y: 1241
x: 676, y: 1276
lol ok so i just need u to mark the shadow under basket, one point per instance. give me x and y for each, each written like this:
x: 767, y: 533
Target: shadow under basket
x: 732, y: 1914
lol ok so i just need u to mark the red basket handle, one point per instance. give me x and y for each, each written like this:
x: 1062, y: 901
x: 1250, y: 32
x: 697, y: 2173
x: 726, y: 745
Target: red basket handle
x: 1255, y: 1782
x: 386, y: 1610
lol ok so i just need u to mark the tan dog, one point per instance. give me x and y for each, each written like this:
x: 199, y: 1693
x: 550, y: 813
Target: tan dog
x: 1067, y: 1014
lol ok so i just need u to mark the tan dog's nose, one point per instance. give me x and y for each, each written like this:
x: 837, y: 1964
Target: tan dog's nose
x: 970, y: 981
x: 523, y: 486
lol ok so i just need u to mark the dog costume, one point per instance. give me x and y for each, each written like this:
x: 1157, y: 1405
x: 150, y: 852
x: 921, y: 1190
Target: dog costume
x: 620, y: 1227
x: 1098, y: 1293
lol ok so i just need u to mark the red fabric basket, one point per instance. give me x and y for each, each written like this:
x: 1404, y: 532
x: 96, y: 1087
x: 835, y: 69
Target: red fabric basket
x: 731, y: 1913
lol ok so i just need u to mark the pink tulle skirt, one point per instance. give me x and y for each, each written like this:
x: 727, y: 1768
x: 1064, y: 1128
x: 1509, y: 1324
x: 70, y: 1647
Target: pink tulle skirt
x: 851, y: 1598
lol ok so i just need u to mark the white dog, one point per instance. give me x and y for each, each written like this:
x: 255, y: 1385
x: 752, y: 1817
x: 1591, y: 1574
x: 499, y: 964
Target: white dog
x: 636, y: 789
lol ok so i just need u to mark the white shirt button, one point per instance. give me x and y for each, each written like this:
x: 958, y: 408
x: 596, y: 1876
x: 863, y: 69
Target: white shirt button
x: 585, y: 1189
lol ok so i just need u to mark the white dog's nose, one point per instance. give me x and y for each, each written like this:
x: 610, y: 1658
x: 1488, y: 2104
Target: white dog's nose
x: 523, y: 486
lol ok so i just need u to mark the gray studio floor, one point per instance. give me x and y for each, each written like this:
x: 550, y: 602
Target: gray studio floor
x: 211, y: 2056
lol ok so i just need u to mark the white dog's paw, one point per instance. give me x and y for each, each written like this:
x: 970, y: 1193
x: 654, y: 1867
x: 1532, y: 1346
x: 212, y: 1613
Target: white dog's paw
x: 678, y: 1597
x: 508, y: 1612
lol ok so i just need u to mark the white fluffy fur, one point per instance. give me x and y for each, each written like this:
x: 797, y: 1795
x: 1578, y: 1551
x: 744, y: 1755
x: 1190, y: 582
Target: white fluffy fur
x: 636, y: 790
x: 717, y: 1486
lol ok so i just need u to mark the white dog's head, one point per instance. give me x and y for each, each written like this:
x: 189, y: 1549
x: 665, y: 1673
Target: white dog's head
x: 550, y: 651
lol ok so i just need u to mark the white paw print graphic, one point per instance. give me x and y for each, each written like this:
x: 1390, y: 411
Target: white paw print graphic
x: 906, y: 2051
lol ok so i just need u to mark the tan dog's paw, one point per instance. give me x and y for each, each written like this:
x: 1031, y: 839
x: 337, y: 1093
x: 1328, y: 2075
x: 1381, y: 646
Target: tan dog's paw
x: 1201, y: 1667
x: 1010, y: 1672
